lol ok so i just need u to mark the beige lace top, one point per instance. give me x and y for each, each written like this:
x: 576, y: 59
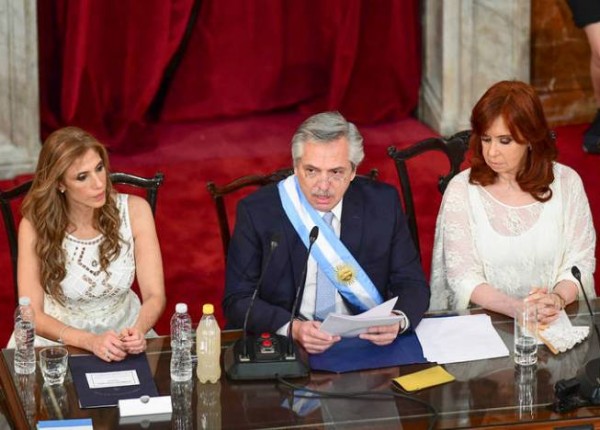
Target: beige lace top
x: 479, y: 240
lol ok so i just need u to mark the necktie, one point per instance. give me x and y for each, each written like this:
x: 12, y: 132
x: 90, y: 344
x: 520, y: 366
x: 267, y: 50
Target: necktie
x: 325, y: 299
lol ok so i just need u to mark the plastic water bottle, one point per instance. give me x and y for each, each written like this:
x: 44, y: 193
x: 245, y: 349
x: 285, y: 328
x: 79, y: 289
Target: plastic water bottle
x: 24, y: 337
x: 181, y: 344
x: 208, y: 346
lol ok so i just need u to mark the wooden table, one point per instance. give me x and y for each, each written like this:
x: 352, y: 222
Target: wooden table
x: 487, y: 393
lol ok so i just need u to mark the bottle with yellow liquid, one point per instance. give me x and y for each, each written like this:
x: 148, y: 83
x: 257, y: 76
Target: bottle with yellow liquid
x: 208, y: 346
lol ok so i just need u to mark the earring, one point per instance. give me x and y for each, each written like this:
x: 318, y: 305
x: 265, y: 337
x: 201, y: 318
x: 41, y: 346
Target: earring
x: 62, y: 191
x: 529, y: 147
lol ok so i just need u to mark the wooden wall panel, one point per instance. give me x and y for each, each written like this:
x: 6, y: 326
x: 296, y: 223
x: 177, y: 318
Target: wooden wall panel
x: 560, y: 58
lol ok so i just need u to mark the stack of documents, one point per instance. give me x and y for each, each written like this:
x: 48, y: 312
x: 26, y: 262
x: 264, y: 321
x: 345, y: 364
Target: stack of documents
x: 460, y: 338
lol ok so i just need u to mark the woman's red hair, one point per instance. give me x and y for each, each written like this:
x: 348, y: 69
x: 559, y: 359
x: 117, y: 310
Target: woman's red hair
x: 520, y: 107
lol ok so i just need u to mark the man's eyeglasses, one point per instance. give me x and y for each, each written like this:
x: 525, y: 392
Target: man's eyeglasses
x: 331, y: 176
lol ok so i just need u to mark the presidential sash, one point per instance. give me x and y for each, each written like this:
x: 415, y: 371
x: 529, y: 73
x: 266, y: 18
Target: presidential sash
x: 331, y: 254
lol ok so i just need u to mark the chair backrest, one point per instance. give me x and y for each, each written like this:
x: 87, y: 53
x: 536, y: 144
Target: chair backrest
x: 151, y: 186
x: 218, y: 193
x: 454, y: 147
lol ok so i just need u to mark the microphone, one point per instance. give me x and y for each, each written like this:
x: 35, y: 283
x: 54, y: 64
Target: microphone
x: 274, y: 244
x: 312, y: 237
x: 266, y: 356
x: 584, y: 389
x: 577, y: 274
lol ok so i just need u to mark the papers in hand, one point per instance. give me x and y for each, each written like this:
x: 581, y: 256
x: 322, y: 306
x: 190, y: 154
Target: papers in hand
x: 353, y: 325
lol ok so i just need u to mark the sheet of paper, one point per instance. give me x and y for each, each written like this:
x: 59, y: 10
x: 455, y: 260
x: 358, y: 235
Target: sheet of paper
x: 123, y: 378
x: 460, y: 338
x: 353, y: 325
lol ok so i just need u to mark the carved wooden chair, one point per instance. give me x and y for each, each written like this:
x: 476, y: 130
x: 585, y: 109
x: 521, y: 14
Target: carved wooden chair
x: 454, y: 147
x: 9, y: 198
x: 218, y: 193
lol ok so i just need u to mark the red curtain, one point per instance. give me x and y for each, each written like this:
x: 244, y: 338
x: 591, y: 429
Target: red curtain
x: 102, y: 62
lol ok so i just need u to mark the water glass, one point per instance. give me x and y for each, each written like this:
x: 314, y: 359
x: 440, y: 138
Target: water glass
x: 525, y: 340
x: 53, y: 362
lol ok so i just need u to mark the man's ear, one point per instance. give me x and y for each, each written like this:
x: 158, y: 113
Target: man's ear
x: 353, y: 174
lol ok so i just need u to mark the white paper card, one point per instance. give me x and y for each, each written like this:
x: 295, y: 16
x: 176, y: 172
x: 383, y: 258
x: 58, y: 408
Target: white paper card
x: 147, y: 406
x: 353, y: 325
x: 122, y: 378
x: 460, y: 338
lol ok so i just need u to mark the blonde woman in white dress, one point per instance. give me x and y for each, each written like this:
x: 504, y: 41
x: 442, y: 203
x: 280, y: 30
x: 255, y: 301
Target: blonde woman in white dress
x: 512, y: 226
x: 81, y: 244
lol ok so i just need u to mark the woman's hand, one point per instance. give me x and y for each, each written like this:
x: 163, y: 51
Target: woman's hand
x: 546, y: 304
x: 108, y: 346
x: 133, y: 340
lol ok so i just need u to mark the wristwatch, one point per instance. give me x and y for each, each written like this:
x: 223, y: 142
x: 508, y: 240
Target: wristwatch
x: 404, y: 322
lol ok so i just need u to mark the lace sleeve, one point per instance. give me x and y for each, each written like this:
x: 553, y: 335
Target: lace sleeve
x: 579, y: 236
x: 456, y: 267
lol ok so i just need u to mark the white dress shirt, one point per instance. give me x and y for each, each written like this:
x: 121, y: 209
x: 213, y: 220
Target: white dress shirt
x: 309, y: 297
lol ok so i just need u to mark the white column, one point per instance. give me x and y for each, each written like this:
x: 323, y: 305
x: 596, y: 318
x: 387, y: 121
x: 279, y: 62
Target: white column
x: 467, y: 46
x: 19, y: 94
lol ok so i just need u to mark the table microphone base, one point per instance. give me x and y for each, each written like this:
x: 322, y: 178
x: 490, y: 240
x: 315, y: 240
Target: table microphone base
x: 266, y: 358
x: 589, y: 378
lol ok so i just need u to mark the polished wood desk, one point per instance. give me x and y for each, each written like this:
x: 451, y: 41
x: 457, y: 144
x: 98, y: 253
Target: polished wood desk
x: 487, y: 393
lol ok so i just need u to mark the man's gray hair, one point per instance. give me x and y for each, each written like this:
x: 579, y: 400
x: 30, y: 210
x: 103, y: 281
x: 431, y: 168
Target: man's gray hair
x: 324, y: 128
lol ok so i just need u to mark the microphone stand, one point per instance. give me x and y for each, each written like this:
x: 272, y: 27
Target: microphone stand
x: 312, y: 237
x: 589, y: 375
x: 266, y: 356
x: 244, y: 355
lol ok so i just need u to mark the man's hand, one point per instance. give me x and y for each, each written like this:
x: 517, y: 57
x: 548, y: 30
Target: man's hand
x: 382, y: 335
x: 311, y: 338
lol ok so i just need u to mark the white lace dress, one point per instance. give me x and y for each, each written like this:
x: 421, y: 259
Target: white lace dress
x: 481, y: 240
x: 97, y: 301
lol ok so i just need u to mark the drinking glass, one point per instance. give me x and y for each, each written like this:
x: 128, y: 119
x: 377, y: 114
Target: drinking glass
x: 53, y: 362
x: 525, y: 341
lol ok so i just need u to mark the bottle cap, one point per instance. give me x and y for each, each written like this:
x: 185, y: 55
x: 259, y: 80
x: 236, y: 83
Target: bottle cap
x: 208, y: 308
x: 181, y: 308
x: 24, y: 301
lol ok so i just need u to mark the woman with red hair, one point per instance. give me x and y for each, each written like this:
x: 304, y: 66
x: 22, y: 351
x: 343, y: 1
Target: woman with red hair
x: 512, y: 226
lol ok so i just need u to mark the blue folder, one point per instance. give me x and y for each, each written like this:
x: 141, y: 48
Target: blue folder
x: 105, y: 397
x: 351, y: 354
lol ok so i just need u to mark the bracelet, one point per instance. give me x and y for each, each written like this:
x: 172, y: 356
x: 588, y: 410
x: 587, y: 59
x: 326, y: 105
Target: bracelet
x: 62, y: 331
x: 561, y: 301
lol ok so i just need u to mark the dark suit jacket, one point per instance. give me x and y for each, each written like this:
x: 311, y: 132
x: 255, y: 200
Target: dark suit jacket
x: 373, y: 228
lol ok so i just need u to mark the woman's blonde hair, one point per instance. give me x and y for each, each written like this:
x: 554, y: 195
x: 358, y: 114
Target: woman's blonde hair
x: 46, y: 207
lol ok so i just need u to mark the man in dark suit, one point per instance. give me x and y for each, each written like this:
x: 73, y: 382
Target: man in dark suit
x: 366, y: 231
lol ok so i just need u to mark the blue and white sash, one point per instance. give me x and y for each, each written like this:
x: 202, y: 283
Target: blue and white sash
x: 331, y: 254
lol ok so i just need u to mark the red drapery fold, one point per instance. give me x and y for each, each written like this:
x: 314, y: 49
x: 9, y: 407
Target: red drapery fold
x: 102, y: 62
